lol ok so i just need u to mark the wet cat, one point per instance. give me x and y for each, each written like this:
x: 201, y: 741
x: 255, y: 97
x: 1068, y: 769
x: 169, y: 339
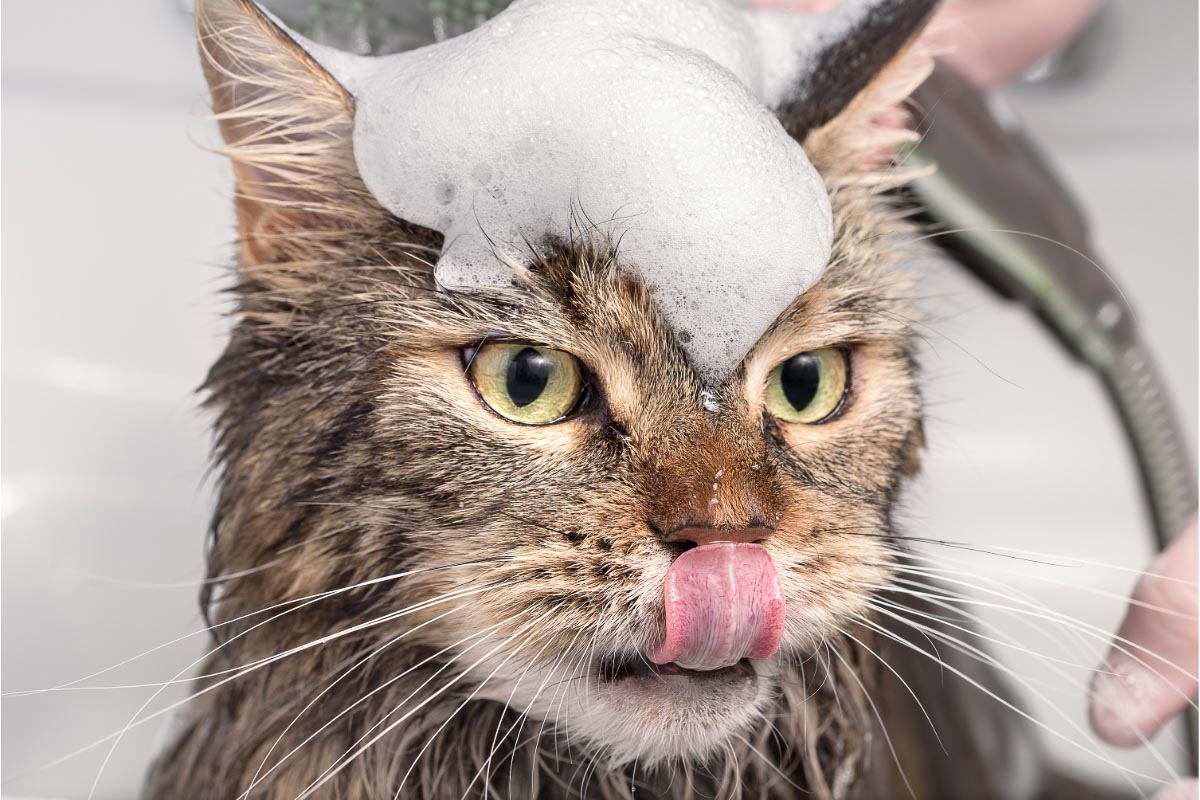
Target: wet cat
x: 459, y: 534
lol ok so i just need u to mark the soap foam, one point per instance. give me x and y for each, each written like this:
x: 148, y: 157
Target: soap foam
x: 649, y: 118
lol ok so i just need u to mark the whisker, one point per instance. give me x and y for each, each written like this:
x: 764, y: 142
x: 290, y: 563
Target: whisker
x: 560, y: 694
x: 481, y: 633
x: 771, y: 764
x: 138, y: 720
x: 1124, y: 598
x: 464, y: 703
x: 1049, y: 240
x: 972, y: 632
x: 1118, y: 642
x: 487, y: 766
x: 1125, y: 771
x: 180, y: 679
x: 986, y: 658
x: 882, y: 726
x: 1055, y: 559
x: 299, y: 600
x: 255, y: 780
x: 990, y: 550
x: 1076, y: 635
x: 192, y: 584
x: 913, y: 694
x: 353, y: 753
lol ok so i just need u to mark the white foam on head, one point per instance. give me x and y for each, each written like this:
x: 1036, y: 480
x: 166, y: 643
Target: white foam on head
x: 651, y: 114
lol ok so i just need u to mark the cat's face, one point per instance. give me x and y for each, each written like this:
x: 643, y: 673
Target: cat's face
x: 518, y: 530
x: 569, y: 524
x: 543, y: 550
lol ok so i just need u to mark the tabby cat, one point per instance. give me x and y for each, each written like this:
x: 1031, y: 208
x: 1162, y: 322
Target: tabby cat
x: 445, y: 518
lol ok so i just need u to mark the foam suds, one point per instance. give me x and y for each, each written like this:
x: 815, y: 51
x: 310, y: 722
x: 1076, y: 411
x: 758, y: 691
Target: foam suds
x: 648, y: 118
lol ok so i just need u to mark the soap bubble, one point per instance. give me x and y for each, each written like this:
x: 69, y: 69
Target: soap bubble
x: 500, y: 134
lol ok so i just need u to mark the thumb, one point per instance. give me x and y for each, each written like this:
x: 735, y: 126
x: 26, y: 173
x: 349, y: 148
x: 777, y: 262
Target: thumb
x: 1150, y: 673
x: 1184, y: 790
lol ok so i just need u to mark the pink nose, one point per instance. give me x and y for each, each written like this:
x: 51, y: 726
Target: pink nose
x: 703, y: 536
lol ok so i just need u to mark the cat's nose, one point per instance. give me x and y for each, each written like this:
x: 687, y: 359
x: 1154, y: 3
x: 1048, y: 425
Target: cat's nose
x: 704, y: 535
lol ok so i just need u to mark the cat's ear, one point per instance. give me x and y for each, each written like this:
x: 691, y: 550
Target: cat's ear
x: 847, y: 106
x: 287, y: 126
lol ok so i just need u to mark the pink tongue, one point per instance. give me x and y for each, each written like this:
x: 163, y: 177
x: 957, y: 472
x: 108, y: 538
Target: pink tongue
x: 723, y: 604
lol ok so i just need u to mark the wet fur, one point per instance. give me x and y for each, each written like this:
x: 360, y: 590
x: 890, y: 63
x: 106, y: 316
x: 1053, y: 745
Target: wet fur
x: 351, y: 447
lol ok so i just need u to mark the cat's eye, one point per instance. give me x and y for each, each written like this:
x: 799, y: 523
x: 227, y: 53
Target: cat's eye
x: 526, y: 384
x: 809, y: 387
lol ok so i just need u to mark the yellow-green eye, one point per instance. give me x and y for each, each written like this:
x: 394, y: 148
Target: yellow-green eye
x: 527, y: 384
x: 808, y: 387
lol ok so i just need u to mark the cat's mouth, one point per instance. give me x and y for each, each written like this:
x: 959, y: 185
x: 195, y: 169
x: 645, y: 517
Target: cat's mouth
x: 640, y: 669
x: 650, y: 711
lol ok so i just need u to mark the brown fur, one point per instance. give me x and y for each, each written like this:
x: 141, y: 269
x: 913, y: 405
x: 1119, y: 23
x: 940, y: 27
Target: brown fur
x: 352, y: 449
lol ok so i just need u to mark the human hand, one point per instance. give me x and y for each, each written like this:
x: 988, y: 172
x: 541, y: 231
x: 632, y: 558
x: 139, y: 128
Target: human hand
x: 1150, y: 673
x: 992, y: 40
x: 1137, y: 690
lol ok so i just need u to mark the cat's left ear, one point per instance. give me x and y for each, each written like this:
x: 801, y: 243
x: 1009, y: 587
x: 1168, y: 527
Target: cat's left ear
x: 846, y: 107
x: 287, y: 125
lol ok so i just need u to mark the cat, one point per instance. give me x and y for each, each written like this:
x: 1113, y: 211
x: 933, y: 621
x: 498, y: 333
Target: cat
x: 445, y: 518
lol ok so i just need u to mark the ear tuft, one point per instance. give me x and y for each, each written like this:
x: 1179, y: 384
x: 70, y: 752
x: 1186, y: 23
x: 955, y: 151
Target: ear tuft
x: 867, y: 38
x: 849, y: 109
x: 287, y: 129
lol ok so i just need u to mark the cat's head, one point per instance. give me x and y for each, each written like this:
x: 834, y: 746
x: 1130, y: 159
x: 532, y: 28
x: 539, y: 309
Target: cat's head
x: 533, y: 485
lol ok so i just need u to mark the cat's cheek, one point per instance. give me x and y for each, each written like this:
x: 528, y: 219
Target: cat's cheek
x: 828, y: 581
x: 817, y: 612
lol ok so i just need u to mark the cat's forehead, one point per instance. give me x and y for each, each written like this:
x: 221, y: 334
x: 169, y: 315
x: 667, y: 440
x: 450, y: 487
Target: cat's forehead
x: 649, y: 119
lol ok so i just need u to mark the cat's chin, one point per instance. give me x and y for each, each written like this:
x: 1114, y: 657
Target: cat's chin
x: 651, y: 712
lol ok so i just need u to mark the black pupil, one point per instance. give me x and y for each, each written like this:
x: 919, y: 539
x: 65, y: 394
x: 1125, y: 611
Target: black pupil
x: 528, y: 374
x: 800, y: 378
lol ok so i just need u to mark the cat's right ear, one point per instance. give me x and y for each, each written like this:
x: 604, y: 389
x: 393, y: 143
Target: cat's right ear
x: 287, y: 126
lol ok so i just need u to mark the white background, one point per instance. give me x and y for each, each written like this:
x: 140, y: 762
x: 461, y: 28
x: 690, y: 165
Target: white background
x: 115, y: 226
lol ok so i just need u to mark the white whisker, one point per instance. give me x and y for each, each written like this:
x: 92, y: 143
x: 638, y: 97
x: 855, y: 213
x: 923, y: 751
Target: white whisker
x: 375, y: 652
x: 352, y: 754
x: 913, y: 694
x: 985, y: 658
x: 887, y: 737
x: 138, y: 720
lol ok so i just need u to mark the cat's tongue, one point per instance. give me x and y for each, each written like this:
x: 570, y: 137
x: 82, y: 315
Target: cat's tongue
x: 723, y: 604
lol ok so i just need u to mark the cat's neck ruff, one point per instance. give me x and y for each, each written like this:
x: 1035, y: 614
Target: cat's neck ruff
x: 647, y: 121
